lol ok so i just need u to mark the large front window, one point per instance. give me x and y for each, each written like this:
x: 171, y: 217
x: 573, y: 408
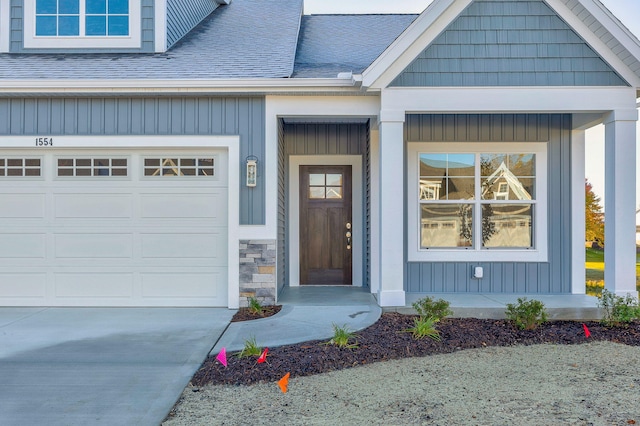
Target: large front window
x: 478, y: 202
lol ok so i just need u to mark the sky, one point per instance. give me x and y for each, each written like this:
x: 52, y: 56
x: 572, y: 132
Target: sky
x: 627, y: 11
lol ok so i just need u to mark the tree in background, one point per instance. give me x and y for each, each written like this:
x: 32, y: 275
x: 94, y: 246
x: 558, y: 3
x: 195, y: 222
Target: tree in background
x: 593, y: 215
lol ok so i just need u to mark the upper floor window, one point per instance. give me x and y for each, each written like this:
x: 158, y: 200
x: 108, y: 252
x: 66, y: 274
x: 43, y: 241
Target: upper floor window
x: 82, y: 24
x: 82, y: 18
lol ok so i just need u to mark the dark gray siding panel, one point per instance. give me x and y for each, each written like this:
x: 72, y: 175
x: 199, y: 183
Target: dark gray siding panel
x: 367, y: 204
x: 184, y: 15
x: 508, y: 43
x: 150, y: 116
x: 325, y: 139
x: 552, y: 277
x: 282, y: 265
x: 16, y: 44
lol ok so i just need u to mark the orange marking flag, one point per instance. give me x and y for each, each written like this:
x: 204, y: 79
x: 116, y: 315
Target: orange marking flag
x: 587, y: 333
x: 222, y: 357
x: 284, y: 383
x: 263, y: 356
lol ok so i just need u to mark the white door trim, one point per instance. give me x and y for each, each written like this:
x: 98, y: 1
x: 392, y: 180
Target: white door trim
x: 355, y: 161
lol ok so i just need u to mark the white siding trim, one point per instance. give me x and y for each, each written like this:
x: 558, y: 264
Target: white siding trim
x: 578, y: 273
x: 541, y: 235
x: 620, y: 202
x: 5, y: 26
x: 355, y: 161
x: 546, y: 100
x: 160, y: 26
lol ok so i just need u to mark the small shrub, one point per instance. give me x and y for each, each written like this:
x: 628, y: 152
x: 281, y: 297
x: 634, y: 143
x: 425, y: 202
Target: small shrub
x: 526, y: 314
x: 254, y: 306
x: 429, y: 308
x: 618, y: 310
x: 251, y: 348
x: 342, y: 336
x: 424, y: 327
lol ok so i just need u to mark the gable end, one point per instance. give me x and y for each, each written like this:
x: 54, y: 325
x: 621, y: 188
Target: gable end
x: 508, y: 43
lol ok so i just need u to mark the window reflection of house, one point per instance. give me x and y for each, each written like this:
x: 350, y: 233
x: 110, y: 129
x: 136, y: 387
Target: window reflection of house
x: 504, y: 185
x: 429, y: 190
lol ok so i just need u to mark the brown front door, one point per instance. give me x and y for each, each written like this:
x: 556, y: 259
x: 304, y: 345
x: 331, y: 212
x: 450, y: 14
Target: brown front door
x: 325, y: 225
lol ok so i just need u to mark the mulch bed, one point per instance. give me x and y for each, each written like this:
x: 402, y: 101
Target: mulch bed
x: 385, y: 340
x: 246, y: 314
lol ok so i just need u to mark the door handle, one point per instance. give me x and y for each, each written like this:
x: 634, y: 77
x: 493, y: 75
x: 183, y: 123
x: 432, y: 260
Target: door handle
x: 348, y: 235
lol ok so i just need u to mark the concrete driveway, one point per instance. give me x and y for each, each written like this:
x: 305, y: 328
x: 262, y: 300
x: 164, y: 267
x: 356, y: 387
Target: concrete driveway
x: 91, y: 366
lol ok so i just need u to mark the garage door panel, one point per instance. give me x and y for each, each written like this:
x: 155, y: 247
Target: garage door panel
x: 21, y: 206
x: 205, y: 284
x: 134, y: 240
x: 182, y: 206
x: 94, y: 285
x: 93, y: 206
x: 22, y: 285
x: 22, y: 246
x: 186, y: 245
x: 93, y: 246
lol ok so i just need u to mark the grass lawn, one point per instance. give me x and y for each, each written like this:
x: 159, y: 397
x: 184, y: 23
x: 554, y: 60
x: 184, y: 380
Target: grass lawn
x: 595, y: 271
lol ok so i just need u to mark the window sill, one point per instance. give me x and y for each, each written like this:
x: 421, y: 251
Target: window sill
x: 471, y: 255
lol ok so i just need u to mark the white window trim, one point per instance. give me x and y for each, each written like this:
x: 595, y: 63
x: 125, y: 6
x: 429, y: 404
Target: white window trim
x: 5, y: 26
x: 133, y: 40
x: 355, y: 161
x: 537, y: 254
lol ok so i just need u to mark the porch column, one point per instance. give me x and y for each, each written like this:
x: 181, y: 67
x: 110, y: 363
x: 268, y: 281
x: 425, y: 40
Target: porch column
x: 578, y: 276
x: 391, y: 209
x: 620, y: 202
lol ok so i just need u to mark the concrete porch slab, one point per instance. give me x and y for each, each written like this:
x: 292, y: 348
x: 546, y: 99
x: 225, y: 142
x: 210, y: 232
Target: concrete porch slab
x: 558, y: 306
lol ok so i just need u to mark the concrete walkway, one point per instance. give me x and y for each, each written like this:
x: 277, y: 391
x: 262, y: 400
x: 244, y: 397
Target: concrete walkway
x: 95, y: 366
x: 307, y: 314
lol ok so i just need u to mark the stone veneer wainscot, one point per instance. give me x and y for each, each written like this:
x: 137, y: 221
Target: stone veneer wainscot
x: 258, y: 271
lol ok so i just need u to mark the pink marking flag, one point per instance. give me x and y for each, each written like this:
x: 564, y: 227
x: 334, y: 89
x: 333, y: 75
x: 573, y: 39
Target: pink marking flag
x: 263, y: 356
x: 284, y: 383
x: 587, y: 333
x: 222, y: 357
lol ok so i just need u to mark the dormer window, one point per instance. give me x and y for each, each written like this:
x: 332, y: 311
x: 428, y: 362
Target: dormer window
x: 86, y: 24
x: 77, y: 18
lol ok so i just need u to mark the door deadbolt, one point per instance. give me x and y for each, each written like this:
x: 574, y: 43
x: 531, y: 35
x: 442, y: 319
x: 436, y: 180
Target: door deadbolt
x: 348, y: 225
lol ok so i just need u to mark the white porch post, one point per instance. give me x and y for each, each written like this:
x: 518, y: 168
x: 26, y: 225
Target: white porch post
x: 620, y: 202
x: 578, y: 276
x: 391, y: 209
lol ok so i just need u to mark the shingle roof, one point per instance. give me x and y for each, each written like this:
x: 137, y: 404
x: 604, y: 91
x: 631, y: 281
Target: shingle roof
x: 249, y: 38
x: 330, y: 44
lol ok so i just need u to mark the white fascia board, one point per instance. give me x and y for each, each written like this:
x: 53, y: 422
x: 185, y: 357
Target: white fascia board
x: 508, y: 99
x: 604, y: 17
x: 322, y: 106
x: 412, y: 42
x: 5, y: 26
x: 160, y: 24
x: 178, y: 86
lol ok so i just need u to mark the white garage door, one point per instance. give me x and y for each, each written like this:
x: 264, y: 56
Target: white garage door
x: 113, y: 228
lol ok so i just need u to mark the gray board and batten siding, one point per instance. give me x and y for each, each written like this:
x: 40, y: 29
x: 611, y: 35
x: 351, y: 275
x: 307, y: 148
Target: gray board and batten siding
x: 551, y: 277
x: 16, y: 44
x: 184, y: 15
x: 242, y: 116
x: 508, y: 43
x: 317, y: 139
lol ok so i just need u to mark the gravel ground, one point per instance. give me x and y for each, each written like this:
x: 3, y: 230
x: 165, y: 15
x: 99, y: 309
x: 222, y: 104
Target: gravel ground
x: 597, y: 383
